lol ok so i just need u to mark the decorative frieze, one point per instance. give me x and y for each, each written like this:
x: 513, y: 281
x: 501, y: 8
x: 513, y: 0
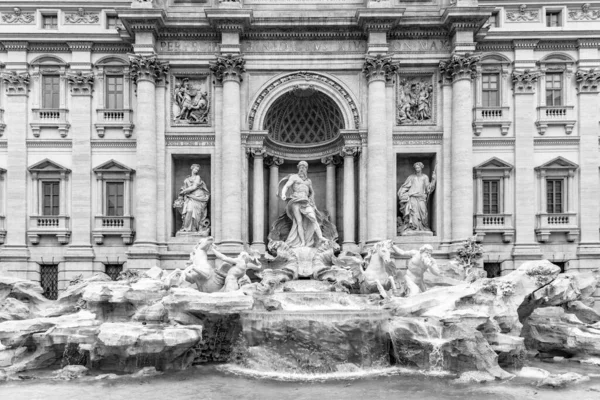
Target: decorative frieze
x: 49, y: 144
x: 525, y: 81
x: 522, y: 15
x: 304, y: 46
x: 583, y: 14
x: 460, y: 67
x: 587, y: 81
x: 112, y: 144
x: 81, y: 17
x: 82, y: 84
x: 229, y: 67
x: 16, y: 83
x: 415, y: 100
x: 417, y: 139
x: 18, y: 17
x: 379, y: 68
x: 147, y: 68
x: 191, y: 103
x: 190, y: 140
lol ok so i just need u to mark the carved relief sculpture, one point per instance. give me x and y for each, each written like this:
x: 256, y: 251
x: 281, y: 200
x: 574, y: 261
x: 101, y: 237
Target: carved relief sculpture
x: 16, y: 83
x: 585, y: 14
x: 192, y: 203
x: 302, y: 224
x: 522, y: 15
x: 18, y: 17
x: 191, y: 103
x: 413, y: 197
x: 81, y: 17
x: 415, y: 101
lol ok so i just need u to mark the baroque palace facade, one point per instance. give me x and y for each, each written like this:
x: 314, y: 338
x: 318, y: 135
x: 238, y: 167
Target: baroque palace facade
x: 106, y: 105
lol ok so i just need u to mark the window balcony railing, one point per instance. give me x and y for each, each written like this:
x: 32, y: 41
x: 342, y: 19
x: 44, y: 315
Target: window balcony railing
x: 113, y: 226
x: 2, y: 229
x: 49, y: 225
x: 114, y: 118
x: 555, y: 116
x: 491, y: 116
x: 494, y: 223
x: 551, y: 223
x: 2, y: 124
x: 50, y: 118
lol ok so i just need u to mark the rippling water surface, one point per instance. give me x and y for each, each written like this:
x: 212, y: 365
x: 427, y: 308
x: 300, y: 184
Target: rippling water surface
x: 227, y: 382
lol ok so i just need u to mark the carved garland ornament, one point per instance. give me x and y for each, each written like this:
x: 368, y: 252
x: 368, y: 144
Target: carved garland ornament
x: 522, y: 15
x: 148, y: 68
x: 18, y: 17
x: 587, y: 81
x: 585, y: 14
x: 306, y: 76
x: 524, y: 81
x: 379, y: 68
x: 229, y: 67
x: 16, y: 83
x: 81, y: 17
x: 460, y: 67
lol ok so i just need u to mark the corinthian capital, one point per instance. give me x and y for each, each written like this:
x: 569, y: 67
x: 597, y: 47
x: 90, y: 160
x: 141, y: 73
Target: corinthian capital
x: 459, y: 67
x: 587, y: 81
x: 379, y: 68
x: 16, y: 83
x: 81, y: 83
x: 524, y: 81
x: 229, y: 67
x: 148, y: 68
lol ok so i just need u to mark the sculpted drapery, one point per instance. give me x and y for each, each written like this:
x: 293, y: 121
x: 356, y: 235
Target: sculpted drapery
x: 413, y: 196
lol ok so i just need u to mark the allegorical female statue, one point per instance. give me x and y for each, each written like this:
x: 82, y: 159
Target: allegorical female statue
x: 413, y: 196
x: 192, y: 203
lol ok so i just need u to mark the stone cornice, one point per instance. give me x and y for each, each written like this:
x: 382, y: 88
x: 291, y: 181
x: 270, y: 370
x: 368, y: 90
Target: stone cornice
x: 15, y: 45
x: 592, y: 43
x: 228, y: 67
x: 460, y: 67
x: 147, y: 68
x: 190, y: 140
x: 185, y: 33
x: 525, y: 81
x: 299, y: 34
x: 80, y: 46
x: 229, y: 20
x: 44, y: 47
x: 379, y: 68
x: 493, y: 142
x: 40, y: 143
x: 525, y: 43
x: 112, y: 48
x: 378, y: 19
x: 102, y: 144
x: 417, y: 139
x: 410, y: 31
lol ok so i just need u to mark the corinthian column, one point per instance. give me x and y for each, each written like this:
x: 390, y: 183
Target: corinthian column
x: 461, y: 70
x: 258, y: 200
x: 349, y: 198
x: 228, y: 70
x: 145, y: 72
x: 377, y: 70
x: 273, y: 163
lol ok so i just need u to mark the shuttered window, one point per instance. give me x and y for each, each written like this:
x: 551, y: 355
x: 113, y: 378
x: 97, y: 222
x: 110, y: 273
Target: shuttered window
x: 114, y: 92
x: 554, y: 196
x: 114, y: 199
x: 50, y: 91
x: 50, y: 201
x: 491, y: 196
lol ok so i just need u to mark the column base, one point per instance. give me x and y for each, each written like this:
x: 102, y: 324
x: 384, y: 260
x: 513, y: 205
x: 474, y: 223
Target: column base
x: 526, y: 252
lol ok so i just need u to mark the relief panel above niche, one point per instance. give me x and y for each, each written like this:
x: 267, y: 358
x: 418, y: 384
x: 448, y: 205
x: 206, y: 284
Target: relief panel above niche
x: 415, y: 100
x: 190, y: 100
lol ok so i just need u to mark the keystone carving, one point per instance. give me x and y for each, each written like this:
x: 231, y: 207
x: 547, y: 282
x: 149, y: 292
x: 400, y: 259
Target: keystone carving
x: 460, y: 67
x: 379, y: 68
x: 229, y: 67
x: 524, y: 81
x: 147, y: 68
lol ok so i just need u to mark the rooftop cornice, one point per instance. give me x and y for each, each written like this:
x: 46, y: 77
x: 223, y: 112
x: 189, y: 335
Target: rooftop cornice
x: 378, y: 19
x: 466, y: 18
x: 225, y: 20
x: 142, y: 19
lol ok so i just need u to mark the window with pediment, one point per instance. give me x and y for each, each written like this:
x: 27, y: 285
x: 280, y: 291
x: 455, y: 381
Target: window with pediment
x: 114, y: 97
x: 555, y: 107
x: 113, y: 202
x: 48, y: 213
x: 494, y: 201
x: 557, y: 212
x: 304, y: 117
x: 491, y: 95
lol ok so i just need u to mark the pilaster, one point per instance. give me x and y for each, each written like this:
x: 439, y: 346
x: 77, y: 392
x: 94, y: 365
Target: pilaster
x: 349, y: 198
x: 273, y: 163
x: 330, y: 198
x: 258, y: 199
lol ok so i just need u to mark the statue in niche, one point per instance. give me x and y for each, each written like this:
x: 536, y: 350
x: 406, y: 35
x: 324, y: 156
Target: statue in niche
x: 192, y: 203
x: 302, y: 224
x: 414, y: 101
x: 191, y: 104
x: 413, y: 196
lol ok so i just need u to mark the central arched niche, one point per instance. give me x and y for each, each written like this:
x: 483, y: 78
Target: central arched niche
x: 304, y: 117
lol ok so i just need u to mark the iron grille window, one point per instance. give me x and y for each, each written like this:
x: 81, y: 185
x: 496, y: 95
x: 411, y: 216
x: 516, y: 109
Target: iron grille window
x: 114, y: 199
x: 493, y: 270
x: 50, y: 21
x: 553, y: 19
x: 50, y: 91
x: 561, y: 264
x: 49, y: 280
x: 112, y: 21
x: 114, y: 92
x: 491, y: 94
x: 51, y: 198
x: 554, y: 196
x: 113, y: 270
x: 491, y: 197
x: 554, y: 89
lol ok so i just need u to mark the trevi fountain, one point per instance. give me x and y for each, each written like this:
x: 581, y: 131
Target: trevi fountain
x: 350, y: 323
